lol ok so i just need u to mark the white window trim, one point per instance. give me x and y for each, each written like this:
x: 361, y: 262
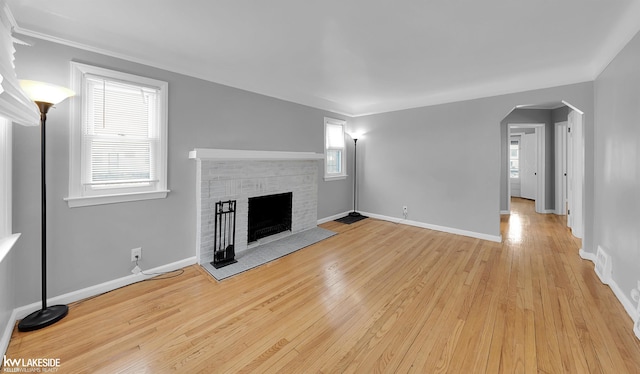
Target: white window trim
x: 77, y: 198
x: 7, y: 237
x: 343, y: 175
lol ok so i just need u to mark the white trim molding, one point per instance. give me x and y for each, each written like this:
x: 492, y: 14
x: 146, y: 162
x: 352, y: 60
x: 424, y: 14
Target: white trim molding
x: 450, y: 230
x: 338, y: 178
x: 75, y: 202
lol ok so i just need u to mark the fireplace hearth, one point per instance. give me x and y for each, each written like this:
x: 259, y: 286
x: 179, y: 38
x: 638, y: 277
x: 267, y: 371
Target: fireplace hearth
x: 269, y: 215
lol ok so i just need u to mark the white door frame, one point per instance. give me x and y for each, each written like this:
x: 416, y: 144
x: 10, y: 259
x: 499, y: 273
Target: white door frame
x: 529, y: 166
x: 561, y: 167
x: 575, y: 218
x: 539, y: 129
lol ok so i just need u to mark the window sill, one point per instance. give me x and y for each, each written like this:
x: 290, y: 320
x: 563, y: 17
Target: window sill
x: 6, y: 244
x: 76, y: 202
x: 334, y: 178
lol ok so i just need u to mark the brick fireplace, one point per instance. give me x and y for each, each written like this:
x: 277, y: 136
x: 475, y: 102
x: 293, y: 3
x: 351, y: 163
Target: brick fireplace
x: 241, y: 175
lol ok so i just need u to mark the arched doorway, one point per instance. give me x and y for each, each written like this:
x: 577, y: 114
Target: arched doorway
x: 556, y: 122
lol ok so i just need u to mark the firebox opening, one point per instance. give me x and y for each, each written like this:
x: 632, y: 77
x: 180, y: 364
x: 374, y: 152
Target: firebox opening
x: 269, y: 215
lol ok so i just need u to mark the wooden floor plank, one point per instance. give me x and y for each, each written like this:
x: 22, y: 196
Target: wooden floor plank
x: 376, y: 297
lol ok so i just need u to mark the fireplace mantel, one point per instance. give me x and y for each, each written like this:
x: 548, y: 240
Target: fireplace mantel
x: 237, y: 154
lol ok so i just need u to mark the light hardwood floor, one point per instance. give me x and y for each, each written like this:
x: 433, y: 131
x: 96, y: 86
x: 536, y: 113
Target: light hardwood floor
x: 377, y: 297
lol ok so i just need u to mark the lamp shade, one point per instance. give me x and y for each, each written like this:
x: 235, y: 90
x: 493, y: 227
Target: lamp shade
x: 356, y: 135
x: 45, y: 92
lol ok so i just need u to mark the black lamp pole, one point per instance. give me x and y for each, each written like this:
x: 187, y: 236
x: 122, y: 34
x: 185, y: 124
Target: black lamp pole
x: 355, y: 177
x: 52, y: 314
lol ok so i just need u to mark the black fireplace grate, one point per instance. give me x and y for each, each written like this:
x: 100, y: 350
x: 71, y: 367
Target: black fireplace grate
x: 225, y: 233
x: 269, y: 215
x: 272, y: 230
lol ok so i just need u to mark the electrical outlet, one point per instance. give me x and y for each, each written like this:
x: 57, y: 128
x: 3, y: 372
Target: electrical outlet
x: 405, y: 211
x: 136, y: 254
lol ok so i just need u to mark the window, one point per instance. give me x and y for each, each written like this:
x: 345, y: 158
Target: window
x: 5, y: 178
x: 334, y: 149
x: 514, y: 159
x: 15, y: 108
x: 7, y: 238
x: 118, y: 137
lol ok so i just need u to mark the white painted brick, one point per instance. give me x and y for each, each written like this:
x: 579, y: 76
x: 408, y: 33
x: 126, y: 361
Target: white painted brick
x: 240, y: 180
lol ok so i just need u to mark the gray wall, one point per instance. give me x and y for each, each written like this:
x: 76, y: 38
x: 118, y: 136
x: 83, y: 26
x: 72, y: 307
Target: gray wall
x: 617, y: 167
x: 445, y: 161
x: 560, y: 115
x: 91, y: 245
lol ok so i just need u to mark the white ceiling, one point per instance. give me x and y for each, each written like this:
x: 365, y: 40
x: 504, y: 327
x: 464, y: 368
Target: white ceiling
x: 350, y: 56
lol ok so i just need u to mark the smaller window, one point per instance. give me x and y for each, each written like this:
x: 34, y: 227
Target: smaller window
x: 334, y: 149
x: 514, y: 159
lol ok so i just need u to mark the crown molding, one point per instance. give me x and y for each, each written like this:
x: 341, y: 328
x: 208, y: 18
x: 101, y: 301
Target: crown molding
x: 618, y: 38
x: 615, y: 42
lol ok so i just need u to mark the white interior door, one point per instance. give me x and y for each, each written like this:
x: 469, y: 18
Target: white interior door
x: 528, y: 166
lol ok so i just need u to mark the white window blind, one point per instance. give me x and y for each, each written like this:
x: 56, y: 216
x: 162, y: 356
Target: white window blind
x: 335, y: 136
x: 120, y: 133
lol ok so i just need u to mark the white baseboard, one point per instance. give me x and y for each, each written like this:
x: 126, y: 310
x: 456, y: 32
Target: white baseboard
x: 84, y: 293
x: 450, y: 230
x: 620, y: 295
x: 5, y: 338
x: 505, y: 212
x: 98, y: 289
x: 624, y: 300
x: 587, y: 255
x: 333, y: 217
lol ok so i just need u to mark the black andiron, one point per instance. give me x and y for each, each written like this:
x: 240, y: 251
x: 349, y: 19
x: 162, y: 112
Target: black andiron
x: 225, y: 234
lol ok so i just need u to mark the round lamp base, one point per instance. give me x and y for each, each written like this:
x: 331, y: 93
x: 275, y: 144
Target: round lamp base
x: 43, y: 318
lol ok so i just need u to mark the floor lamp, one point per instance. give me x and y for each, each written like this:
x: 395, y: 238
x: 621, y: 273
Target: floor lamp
x: 355, y: 138
x: 45, y: 95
